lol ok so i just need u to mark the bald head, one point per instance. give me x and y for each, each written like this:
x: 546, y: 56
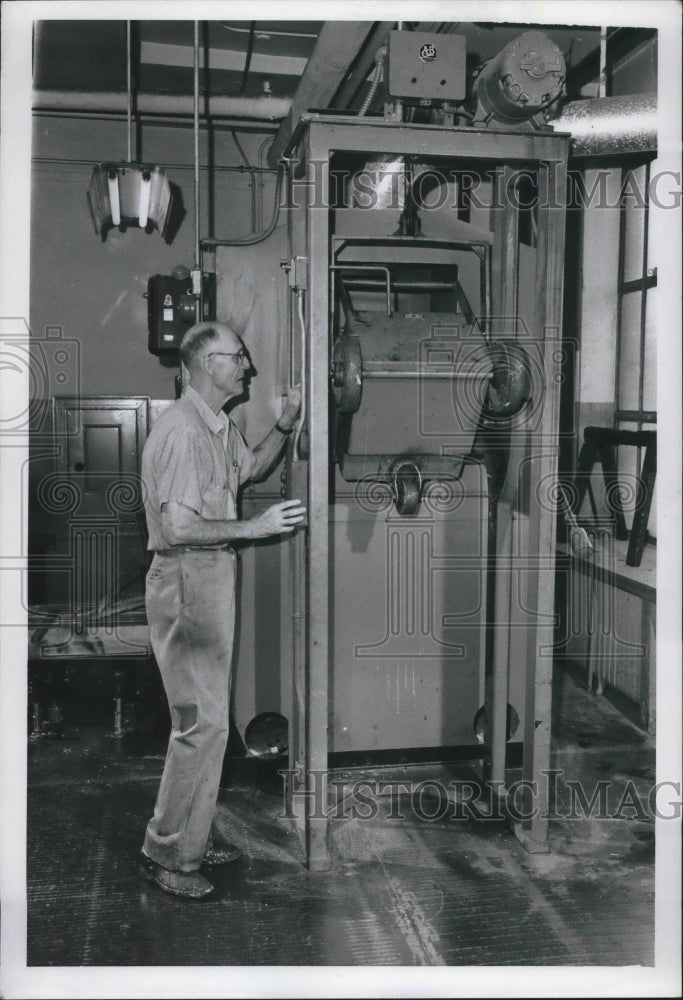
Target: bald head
x: 198, y: 336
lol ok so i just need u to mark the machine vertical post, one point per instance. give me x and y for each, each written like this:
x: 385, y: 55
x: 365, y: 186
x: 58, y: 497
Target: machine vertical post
x: 317, y: 575
x: 532, y: 830
x: 504, y: 324
x: 505, y: 256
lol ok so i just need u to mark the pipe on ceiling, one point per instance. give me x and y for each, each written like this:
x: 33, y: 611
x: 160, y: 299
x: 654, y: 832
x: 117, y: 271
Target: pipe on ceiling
x: 609, y: 126
x: 600, y: 126
x: 215, y: 105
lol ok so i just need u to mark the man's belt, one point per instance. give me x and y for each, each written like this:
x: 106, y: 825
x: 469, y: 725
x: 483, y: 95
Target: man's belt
x: 193, y: 548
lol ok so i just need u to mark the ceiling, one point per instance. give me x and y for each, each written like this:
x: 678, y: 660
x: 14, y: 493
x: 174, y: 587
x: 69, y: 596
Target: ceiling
x: 91, y: 56
x: 260, y: 58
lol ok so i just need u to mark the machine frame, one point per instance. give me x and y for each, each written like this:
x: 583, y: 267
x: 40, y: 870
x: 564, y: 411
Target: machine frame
x: 315, y: 140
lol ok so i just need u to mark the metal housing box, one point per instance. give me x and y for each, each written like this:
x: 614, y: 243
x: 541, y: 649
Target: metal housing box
x: 165, y: 323
x: 424, y: 66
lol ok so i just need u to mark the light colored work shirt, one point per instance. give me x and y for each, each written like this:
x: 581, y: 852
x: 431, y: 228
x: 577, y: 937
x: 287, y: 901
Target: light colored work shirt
x: 193, y: 457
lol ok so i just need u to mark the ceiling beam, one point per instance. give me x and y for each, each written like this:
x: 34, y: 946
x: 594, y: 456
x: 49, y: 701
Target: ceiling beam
x: 162, y: 54
x: 356, y: 78
x: 337, y: 46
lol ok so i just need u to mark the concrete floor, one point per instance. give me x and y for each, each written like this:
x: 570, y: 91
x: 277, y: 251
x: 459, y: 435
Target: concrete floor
x: 403, y: 892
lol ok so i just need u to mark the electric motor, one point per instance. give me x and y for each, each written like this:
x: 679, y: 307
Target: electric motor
x: 523, y: 79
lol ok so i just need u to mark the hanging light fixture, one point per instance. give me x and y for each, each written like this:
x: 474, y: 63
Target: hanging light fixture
x: 127, y: 193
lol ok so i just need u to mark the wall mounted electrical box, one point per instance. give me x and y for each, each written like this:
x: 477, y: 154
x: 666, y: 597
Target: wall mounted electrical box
x: 424, y: 67
x: 171, y: 308
x: 170, y: 311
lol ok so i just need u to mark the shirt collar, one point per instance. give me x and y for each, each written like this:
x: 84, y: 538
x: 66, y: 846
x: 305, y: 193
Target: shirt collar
x: 216, y: 422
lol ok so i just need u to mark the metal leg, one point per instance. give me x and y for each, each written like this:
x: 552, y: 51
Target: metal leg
x: 318, y: 571
x: 642, y: 514
x: 533, y: 832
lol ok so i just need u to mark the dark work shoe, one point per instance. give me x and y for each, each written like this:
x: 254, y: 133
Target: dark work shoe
x: 222, y: 855
x: 191, y: 885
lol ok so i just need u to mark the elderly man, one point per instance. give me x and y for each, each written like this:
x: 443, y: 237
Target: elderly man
x: 193, y: 464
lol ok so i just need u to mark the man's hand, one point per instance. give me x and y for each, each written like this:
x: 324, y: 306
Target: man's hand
x: 281, y: 518
x: 291, y: 408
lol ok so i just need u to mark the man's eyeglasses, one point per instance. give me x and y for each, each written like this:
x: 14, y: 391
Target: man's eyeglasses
x: 239, y: 357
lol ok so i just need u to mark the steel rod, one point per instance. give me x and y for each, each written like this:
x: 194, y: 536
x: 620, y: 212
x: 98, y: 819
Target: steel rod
x: 129, y: 89
x: 196, y: 146
x: 427, y: 373
x: 402, y: 286
x: 362, y: 267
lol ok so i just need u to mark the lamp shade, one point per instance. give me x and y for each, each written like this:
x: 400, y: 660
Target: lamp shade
x: 129, y: 194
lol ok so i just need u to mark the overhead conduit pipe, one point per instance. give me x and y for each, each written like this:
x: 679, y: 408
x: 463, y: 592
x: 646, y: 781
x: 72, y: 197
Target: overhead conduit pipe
x: 217, y: 105
x: 380, y: 55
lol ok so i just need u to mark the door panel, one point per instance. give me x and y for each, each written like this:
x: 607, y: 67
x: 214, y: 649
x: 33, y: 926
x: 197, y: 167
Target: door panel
x: 100, y: 441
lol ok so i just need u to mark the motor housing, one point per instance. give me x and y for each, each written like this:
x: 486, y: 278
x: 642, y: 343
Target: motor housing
x: 526, y: 77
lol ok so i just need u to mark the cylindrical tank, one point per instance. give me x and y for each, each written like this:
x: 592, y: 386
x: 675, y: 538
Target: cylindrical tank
x: 525, y: 77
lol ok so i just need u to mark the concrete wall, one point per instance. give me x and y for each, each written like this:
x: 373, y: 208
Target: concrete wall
x: 598, y: 304
x: 94, y: 290
x: 637, y: 72
x: 599, y: 249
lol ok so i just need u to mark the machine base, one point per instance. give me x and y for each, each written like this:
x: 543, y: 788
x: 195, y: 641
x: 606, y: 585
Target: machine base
x: 530, y: 844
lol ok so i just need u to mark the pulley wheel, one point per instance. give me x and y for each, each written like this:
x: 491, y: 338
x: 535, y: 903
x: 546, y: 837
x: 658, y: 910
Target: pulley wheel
x: 510, y: 387
x: 407, y: 487
x: 347, y: 381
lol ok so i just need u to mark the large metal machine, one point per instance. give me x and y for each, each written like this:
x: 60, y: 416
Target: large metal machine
x: 421, y: 284
x: 413, y: 286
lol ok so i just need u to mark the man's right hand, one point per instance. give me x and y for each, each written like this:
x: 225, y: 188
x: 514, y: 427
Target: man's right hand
x: 281, y: 518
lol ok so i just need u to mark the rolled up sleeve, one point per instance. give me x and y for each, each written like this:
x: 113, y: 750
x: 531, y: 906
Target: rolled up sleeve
x: 242, y: 454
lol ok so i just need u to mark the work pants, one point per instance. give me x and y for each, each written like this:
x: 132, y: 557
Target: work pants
x: 190, y: 600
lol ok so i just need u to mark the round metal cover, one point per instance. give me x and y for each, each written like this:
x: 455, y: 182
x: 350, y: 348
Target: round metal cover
x: 510, y: 387
x: 480, y: 723
x: 267, y: 735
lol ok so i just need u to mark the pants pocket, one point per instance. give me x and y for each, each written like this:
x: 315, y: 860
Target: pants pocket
x: 186, y: 587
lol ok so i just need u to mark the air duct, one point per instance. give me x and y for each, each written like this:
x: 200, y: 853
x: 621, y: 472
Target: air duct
x: 610, y: 126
